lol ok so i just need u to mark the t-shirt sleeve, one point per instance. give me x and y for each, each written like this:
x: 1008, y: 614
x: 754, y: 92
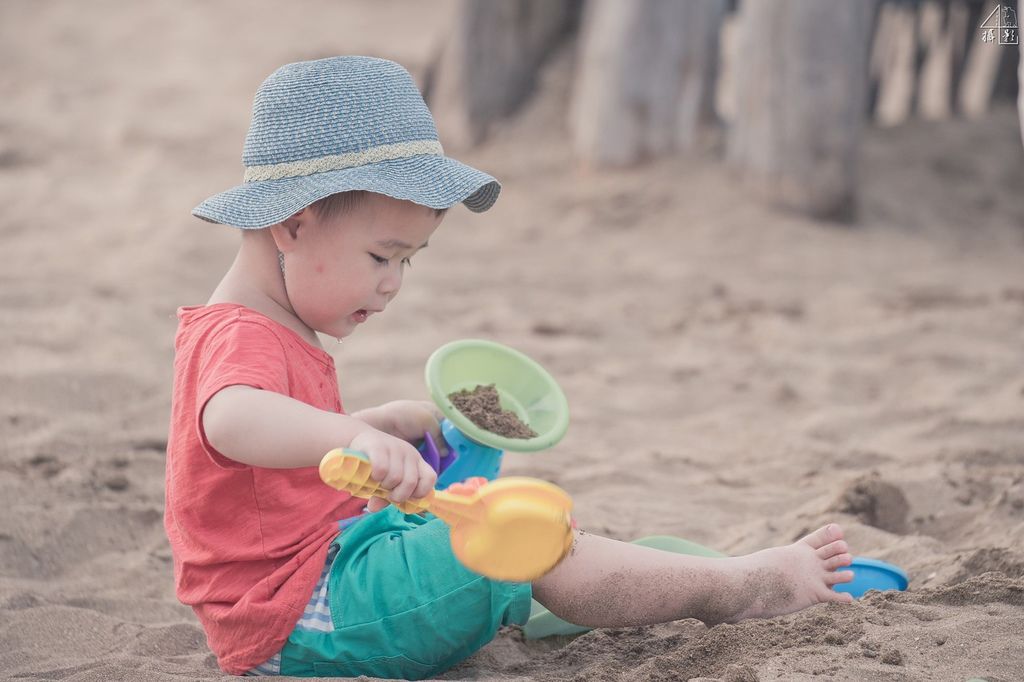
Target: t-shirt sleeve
x: 243, y: 352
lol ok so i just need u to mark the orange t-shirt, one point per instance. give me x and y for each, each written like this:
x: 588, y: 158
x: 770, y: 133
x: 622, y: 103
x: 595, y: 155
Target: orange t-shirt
x: 248, y: 542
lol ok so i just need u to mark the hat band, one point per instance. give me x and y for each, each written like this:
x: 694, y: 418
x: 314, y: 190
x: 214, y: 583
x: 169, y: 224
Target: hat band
x: 385, y: 152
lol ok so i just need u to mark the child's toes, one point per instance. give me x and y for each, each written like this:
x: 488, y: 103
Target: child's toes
x: 838, y: 577
x: 832, y: 548
x: 838, y: 561
x: 824, y: 536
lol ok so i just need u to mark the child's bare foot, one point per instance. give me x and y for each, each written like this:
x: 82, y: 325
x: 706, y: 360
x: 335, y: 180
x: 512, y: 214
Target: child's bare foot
x: 785, y: 579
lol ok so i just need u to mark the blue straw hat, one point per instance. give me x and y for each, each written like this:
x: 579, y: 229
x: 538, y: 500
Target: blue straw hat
x: 340, y: 124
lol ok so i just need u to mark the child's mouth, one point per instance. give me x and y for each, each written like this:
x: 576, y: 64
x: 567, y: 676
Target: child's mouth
x: 360, y: 315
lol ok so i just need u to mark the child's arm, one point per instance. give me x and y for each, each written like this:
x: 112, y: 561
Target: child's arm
x: 405, y: 419
x: 267, y: 429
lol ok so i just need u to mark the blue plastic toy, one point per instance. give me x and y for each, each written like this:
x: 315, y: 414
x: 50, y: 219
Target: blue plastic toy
x: 466, y: 458
x: 872, y: 574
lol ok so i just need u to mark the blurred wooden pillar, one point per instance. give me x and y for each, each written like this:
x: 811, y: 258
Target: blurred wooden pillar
x: 981, y: 72
x: 941, y: 29
x: 645, y: 78
x: 801, y: 85
x: 489, y: 64
x: 892, y: 67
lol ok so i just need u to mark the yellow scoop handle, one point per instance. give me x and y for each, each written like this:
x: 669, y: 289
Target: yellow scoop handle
x: 350, y: 471
x: 514, y: 529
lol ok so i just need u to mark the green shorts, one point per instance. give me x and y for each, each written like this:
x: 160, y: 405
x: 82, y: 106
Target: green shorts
x: 402, y: 605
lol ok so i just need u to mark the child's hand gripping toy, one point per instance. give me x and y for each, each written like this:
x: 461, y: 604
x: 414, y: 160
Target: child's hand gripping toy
x: 524, y: 387
x: 515, y: 529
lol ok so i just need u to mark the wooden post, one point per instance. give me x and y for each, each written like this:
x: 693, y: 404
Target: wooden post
x: 964, y: 16
x: 934, y: 83
x: 892, y: 65
x: 489, y: 64
x: 801, y: 86
x: 981, y: 71
x: 645, y: 79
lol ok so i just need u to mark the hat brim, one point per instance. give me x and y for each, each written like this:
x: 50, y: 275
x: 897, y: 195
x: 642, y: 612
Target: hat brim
x: 428, y: 180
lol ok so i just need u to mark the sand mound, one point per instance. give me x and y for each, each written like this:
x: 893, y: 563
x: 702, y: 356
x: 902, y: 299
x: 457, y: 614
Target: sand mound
x: 875, y: 502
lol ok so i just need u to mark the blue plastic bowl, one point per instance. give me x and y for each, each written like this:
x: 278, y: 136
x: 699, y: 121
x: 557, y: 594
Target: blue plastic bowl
x: 872, y: 574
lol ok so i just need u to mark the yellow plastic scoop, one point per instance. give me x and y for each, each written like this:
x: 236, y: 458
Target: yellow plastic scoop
x: 514, y: 529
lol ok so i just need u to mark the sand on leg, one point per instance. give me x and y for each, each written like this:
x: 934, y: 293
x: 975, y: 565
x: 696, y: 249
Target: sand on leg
x: 607, y: 583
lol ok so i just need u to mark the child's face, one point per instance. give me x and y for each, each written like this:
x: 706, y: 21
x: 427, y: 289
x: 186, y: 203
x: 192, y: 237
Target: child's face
x: 340, y: 271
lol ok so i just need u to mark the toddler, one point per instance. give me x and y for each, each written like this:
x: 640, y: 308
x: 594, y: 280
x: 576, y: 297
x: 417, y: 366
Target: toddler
x: 345, y: 182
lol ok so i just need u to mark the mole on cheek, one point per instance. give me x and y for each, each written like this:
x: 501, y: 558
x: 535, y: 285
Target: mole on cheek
x: 319, y: 268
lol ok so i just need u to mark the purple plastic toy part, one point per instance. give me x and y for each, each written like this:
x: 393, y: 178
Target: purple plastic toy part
x: 432, y: 457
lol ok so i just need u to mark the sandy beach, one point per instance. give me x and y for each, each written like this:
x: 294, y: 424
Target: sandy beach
x: 737, y: 375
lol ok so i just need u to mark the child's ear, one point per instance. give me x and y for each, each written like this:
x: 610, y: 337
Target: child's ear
x: 286, y: 232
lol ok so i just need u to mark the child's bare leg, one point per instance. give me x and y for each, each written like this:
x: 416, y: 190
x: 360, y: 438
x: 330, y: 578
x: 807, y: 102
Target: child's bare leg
x: 607, y: 583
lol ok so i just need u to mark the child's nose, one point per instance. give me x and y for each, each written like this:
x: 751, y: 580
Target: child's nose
x: 391, y: 283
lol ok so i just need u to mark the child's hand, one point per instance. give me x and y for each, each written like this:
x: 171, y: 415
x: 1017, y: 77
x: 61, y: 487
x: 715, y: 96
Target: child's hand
x: 397, y: 466
x: 410, y: 419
